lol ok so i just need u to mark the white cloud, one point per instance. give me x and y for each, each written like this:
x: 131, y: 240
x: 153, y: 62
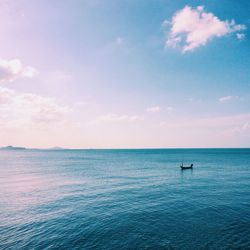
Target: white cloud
x: 113, y: 118
x: 194, y: 27
x: 241, y: 36
x: 13, y: 69
x: 26, y: 109
x: 154, y: 109
x: 228, y: 98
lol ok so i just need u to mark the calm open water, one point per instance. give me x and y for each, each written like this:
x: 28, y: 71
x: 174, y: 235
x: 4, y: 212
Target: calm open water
x: 125, y: 199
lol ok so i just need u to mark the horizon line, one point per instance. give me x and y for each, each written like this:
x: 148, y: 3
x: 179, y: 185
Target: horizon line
x: 118, y: 148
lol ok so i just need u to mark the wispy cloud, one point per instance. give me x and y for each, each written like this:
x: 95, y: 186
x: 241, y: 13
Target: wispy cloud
x: 153, y: 109
x: 13, y: 69
x: 191, y: 28
x: 27, y: 109
x: 218, y: 122
x: 242, y: 128
x: 60, y: 76
x: 228, y: 98
x: 114, y: 118
x: 241, y: 36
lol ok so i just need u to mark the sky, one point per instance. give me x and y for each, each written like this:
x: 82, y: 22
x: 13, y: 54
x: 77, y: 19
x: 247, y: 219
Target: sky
x: 125, y: 74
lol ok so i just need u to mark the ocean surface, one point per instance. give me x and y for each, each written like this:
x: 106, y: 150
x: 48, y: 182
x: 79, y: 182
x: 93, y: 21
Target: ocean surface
x: 125, y: 199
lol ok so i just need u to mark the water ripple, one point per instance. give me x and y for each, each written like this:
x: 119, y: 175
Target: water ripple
x: 124, y: 199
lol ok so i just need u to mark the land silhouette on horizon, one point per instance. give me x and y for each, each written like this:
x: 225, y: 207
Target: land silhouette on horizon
x: 12, y: 148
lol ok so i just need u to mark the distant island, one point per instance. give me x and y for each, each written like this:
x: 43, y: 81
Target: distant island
x: 23, y: 148
x: 12, y: 148
x: 55, y: 148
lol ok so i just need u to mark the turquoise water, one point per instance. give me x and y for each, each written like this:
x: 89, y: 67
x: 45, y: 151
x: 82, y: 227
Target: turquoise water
x: 125, y: 199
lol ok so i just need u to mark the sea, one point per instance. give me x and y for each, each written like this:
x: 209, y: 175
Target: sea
x: 125, y: 199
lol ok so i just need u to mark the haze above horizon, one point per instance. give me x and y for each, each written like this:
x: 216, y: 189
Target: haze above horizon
x: 125, y: 74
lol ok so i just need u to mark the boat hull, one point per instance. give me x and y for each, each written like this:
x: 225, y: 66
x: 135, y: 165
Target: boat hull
x: 183, y: 168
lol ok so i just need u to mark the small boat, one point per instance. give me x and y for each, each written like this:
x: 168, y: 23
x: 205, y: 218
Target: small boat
x: 186, y: 167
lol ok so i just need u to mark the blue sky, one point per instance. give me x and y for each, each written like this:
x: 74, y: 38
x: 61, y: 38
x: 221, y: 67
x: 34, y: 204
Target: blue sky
x: 119, y: 74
